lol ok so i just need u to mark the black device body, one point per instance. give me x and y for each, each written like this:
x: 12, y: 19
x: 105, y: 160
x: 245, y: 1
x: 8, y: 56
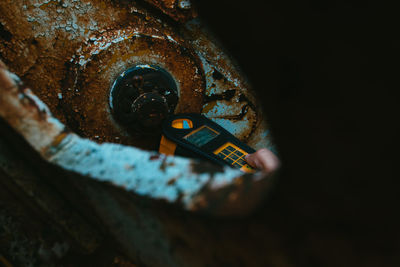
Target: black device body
x: 204, y: 138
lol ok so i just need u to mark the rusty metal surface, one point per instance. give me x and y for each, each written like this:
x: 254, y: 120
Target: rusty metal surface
x: 148, y: 232
x: 69, y: 53
x: 230, y: 101
x: 26, y: 113
x: 152, y: 235
x: 194, y: 185
x: 85, y: 98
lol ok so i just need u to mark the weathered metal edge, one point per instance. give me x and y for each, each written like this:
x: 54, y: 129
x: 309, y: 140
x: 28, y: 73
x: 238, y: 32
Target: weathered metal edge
x: 194, y: 185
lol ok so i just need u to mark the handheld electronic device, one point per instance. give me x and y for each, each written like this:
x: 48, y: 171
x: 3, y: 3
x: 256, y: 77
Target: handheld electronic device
x: 194, y: 135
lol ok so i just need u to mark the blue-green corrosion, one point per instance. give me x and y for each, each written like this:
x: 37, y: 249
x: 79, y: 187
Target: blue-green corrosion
x: 149, y: 174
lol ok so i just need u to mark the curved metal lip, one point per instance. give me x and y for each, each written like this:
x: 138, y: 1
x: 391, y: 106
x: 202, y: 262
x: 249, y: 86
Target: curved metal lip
x: 190, y: 184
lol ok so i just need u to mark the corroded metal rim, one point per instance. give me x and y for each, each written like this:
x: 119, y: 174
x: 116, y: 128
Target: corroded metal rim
x: 193, y: 185
x: 100, y: 61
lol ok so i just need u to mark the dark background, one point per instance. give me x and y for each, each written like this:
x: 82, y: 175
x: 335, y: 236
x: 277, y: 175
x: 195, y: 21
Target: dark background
x: 326, y: 73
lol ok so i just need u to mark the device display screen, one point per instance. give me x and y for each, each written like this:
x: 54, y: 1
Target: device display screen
x: 201, y: 136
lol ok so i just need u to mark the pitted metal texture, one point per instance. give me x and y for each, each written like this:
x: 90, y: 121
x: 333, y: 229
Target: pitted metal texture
x: 71, y: 61
x: 188, y: 183
x: 69, y: 53
x: 95, y: 67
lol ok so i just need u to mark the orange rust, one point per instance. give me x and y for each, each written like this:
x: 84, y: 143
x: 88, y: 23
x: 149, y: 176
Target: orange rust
x: 58, y: 139
x: 42, y: 59
x: 25, y: 113
x: 87, y: 102
x: 39, y: 58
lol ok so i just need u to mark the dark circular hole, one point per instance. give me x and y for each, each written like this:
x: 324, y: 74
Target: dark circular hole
x: 141, y: 97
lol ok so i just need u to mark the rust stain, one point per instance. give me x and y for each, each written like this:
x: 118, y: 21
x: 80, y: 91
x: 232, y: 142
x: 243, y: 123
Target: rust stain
x: 171, y: 181
x: 42, y: 39
x: 86, y: 99
x: 229, y: 99
x: 59, y: 138
x: 24, y: 112
x: 69, y: 54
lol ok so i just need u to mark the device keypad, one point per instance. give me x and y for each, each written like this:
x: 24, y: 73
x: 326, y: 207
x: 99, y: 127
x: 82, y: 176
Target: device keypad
x: 234, y: 156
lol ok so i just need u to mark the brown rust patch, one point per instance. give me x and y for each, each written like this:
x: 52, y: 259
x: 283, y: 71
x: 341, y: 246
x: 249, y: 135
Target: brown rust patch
x: 154, y: 157
x: 45, y: 36
x: 24, y: 112
x: 171, y: 181
x: 41, y: 39
x: 57, y: 141
x: 87, y: 94
x: 229, y: 98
